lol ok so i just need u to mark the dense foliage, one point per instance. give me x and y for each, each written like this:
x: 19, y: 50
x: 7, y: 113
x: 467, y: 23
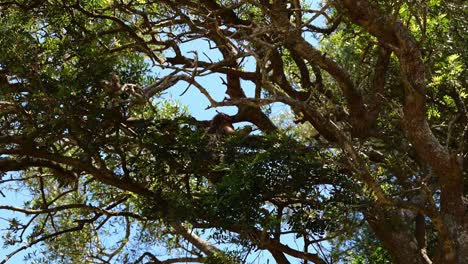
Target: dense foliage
x: 366, y: 163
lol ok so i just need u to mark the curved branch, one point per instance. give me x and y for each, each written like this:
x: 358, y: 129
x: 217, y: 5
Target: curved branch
x: 69, y: 206
x: 203, y: 245
x: 78, y: 227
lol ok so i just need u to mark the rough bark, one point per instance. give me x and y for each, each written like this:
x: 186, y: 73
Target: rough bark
x: 444, y: 163
x: 393, y: 231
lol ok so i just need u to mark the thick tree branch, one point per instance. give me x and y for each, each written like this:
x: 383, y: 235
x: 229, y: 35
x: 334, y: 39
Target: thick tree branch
x: 194, y: 239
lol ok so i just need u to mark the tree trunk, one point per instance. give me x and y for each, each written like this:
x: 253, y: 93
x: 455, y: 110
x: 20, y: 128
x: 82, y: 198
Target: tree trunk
x: 450, y: 218
x: 392, y: 229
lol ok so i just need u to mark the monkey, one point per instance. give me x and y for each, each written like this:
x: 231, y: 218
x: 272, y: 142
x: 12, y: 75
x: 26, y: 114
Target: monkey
x: 219, y: 130
x: 136, y: 91
x: 221, y: 125
x: 120, y: 102
x: 114, y: 87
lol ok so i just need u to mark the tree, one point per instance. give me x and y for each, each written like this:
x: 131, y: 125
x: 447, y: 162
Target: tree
x: 372, y: 155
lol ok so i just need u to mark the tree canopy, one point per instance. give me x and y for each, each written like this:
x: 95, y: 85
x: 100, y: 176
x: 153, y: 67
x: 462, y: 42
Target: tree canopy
x: 366, y: 165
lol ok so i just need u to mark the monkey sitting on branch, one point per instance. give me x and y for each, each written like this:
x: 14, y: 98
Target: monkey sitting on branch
x: 116, y: 89
x: 221, y: 125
